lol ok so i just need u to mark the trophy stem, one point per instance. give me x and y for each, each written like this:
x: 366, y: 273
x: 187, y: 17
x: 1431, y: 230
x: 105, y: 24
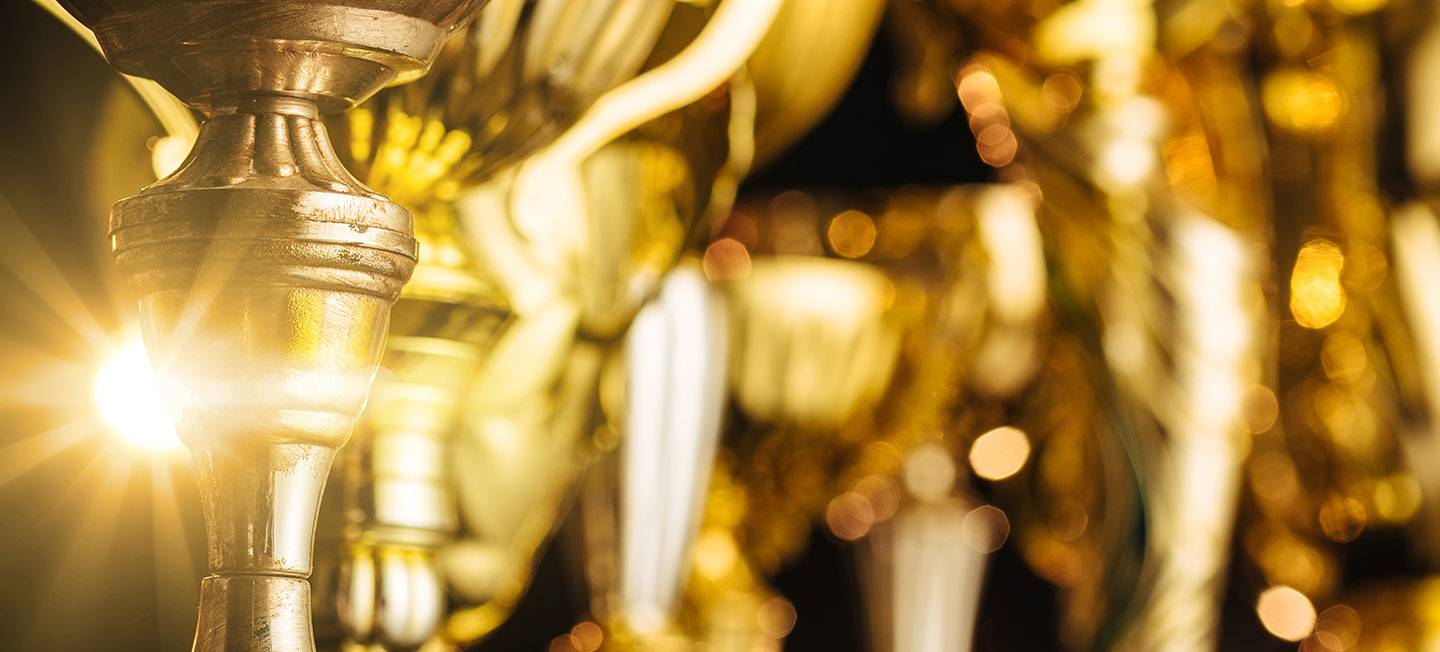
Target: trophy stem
x: 254, y: 613
x: 261, y: 502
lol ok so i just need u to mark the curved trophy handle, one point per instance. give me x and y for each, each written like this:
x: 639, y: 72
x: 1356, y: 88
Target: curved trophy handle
x: 547, y: 202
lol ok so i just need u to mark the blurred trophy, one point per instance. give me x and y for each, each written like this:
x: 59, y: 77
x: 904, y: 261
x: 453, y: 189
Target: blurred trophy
x: 265, y: 271
x: 1128, y: 120
x: 576, y: 237
x: 510, y: 83
x: 532, y: 432
x: 938, y: 300
x: 641, y: 506
x: 1349, y: 471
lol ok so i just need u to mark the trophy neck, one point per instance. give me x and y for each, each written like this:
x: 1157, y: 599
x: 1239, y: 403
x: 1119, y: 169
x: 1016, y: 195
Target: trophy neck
x: 260, y: 504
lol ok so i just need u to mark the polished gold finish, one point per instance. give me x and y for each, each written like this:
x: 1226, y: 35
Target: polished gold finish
x: 334, y: 53
x: 1238, y: 316
x: 508, y: 84
x: 266, y: 272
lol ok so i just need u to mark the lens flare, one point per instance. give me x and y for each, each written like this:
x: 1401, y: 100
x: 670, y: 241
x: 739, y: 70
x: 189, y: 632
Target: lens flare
x: 129, y: 399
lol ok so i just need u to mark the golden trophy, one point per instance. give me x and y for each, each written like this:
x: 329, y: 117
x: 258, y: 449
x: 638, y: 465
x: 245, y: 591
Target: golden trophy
x: 642, y: 506
x: 938, y: 299
x: 479, y: 110
x: 534, y: 431
x: 519, y: 412
x: 1128, y: 139
x: 266, y: 271
x: 1350, y: 464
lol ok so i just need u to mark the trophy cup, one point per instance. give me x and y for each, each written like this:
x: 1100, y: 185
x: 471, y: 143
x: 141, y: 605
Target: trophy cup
x: 644, y: 195
x: 479, y: 110
x: 435, y: 144
x: 939, y: 301
x: 266, y: 272
x: 642, y: 506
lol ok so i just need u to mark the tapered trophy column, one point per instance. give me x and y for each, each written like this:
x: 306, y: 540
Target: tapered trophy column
x: 265, y: 271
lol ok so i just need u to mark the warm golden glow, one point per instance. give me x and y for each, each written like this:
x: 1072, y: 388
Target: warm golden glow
x: 1343, y: 357
x: 1000, y: 453
x: 929, y: 473
x: 985, y: 529
x: 777, y: 617
x: 586, y: 637
x: 1286, y: 613
x: 852, y: 234
x: 1342, y: 518
x: 167, y: 153
x: 1259, y: 410
x: 1337, y: 628
x: 1396, y: 498
x: 1316, y: 297
x: 726, y: 259
x: 1061, y: 91
x: 129, y: 399
x: 849, y: 516
x: 715, y: 554
x: 1301, y: 100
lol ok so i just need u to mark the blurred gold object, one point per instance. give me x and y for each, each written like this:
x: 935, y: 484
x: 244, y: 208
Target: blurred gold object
x: 1123, y: 119
x: 578, y: 236
x: 397, y: 484
x: 545, y: 64
x: 508, y: 84
x: 938, y: 298
x: 528, y: 430
x: 265, y: 271
x: 642, y: 518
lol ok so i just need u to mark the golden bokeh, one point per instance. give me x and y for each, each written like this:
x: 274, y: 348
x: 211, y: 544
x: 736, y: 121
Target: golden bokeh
x: 1000, y: 453
x: 586, y: 636
x: 1316, y: 297
x: 851, y: 234
x: 777, y: 617
x: 1302, y: 100
x: 726, y: 259
x: 985, y: 529
x: 1286, y: 613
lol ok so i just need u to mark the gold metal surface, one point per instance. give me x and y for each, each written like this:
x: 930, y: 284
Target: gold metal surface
x: 265, y: 271
x: 398, y: 498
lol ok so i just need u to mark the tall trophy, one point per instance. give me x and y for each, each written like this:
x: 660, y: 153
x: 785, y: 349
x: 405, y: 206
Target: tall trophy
x: 1153, y: 208
x: 641, y: 507
x: 266, y: 271
x: 938, y: 296
x: 488, y: 452
x: 508, y: 84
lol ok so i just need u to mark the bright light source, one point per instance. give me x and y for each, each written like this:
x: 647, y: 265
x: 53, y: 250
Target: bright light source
x: 129, y: 399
